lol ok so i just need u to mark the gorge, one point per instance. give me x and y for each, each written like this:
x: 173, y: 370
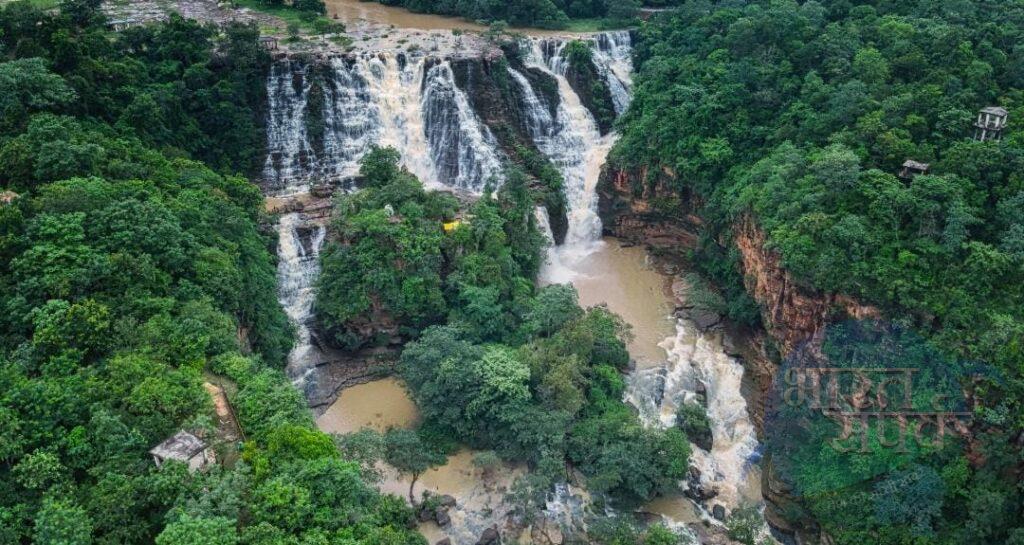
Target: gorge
x: 307, y: 272
x: 455, y: 120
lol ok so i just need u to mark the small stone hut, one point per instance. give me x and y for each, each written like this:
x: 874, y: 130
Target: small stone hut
x: 913, y: 168
x: 185, y: 448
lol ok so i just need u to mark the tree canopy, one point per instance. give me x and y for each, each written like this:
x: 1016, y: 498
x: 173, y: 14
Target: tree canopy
x: 134, y: 268
x: 795, y: 118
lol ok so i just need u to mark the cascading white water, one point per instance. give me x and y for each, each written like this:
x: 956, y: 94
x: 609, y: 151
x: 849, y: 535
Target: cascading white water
x: 399, y: 109
x: 697, y: 361
x: 288, y: 147
x: 298, y: 266
x: 573, y: 142
x: 350, y: 118
x: 376, y: 99
x: 414, y: 105
x: 367, y: 100
x: 613, y: 56
x: 464, y: 151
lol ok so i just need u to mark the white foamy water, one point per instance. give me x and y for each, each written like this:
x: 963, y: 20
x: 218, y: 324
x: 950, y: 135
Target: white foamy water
x: 572, y: 141
x: 697, y: 361
x: 287, y: 141
x: 613, y: 57
x: 414, y: 105
x: 298, y: 266
x: 409, y: 103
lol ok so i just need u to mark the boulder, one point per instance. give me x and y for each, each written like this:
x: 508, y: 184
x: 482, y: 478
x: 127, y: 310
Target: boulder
x: 718, y: 512
x: 424, y: 515
x: 702, y: 393
x: 442, y: 517
x: 704, y: 319
x: 445, y: 541
x: 489, y: 537
x: 446, y: 501
x: 695, y: 490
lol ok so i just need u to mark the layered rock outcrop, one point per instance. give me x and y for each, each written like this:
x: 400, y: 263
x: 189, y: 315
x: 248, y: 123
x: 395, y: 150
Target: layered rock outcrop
x: 643, y: 207
x: 649, y: 214
x: 501, y: 107
x: 792, y: 314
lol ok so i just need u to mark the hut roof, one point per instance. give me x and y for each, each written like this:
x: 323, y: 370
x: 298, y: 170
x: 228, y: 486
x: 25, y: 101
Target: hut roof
x: 910, y: 163
x: 182, y: 446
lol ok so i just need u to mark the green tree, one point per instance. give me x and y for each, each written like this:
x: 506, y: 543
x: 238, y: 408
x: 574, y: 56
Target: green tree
x: 407, y: 453
x: 199, y: 531
x: 61, y: 522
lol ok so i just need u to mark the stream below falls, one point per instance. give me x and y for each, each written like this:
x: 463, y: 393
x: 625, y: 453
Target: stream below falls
x: 413, y: 103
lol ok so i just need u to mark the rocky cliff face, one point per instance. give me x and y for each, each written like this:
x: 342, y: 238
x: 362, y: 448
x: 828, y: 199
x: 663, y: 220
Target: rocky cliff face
x: 642, y: 207
x: 594, y: 92
x: 792, y: 314
x: 500, y: 105
x: 648, y: 214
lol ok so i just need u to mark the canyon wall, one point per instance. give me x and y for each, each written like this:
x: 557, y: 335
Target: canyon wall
x: 647, y: 213
x: 643, y: 207
x: 792, y: 314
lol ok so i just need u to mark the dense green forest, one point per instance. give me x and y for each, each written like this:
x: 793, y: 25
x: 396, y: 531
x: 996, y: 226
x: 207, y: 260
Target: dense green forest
x: 392, y: 261
x: 497, y: 364
x: 132, y: 268
x: 534, y: 13
x: 797, y: 117
x: 137, y: 266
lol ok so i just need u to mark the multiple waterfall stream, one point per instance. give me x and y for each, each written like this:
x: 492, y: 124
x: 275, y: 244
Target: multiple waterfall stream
x: 412, y: 102
x: 409, y: 103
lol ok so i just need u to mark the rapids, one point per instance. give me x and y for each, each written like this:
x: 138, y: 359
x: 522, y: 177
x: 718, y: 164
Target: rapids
x: 411, y: 101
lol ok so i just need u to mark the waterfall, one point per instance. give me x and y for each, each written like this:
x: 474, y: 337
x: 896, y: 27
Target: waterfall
x: 698, y: 367
x: 613, y: 56
x: 463, y: 148
x: 288, y: 147
x: 411, y: 104
x: 696, y: 362
x: 350, y: 120
x: 573, y: 142
x: 298, y: 266
x: 399, y: 111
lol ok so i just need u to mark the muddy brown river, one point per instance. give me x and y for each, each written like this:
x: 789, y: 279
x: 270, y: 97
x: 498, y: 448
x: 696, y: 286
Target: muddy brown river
x: 624, y: 279
x: 355, y: 13
x: 381, y: 404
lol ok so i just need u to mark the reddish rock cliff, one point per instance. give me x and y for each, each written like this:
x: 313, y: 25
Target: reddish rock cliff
x: 645, y: 209
x: 792, y: 313
x: 651, y: 215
